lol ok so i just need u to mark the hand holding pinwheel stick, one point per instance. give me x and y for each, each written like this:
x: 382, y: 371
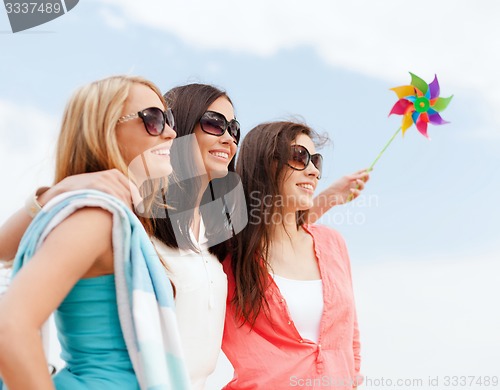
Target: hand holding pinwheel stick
x: 420, y: 104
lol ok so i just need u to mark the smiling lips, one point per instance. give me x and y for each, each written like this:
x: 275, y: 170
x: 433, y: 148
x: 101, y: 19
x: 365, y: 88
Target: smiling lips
x: 220, y: 154
x: 161, y: 152
x: 306, y: 186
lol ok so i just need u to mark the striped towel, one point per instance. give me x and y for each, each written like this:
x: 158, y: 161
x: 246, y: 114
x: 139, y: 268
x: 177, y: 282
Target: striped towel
x: 144, y: 294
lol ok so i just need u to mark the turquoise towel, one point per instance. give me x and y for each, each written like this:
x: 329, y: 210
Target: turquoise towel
x: 144, y: 295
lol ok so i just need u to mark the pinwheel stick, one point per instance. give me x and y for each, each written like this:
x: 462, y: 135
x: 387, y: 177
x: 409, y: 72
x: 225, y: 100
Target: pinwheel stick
x: 383, y: 150
x: 350, y: 197
x: 420, y: 104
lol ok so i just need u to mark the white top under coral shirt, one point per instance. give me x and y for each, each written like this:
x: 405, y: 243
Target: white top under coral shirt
x: 304, y: 299
x: 201, y: 290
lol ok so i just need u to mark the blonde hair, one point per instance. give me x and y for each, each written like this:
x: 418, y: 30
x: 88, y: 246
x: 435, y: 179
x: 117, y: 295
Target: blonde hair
x: 87, y: 141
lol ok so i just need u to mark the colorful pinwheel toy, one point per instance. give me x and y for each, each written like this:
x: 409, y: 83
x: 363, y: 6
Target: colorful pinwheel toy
x: 420, y: 104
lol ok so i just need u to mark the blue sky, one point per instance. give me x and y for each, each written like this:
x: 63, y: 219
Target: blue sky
x: 424, y: 240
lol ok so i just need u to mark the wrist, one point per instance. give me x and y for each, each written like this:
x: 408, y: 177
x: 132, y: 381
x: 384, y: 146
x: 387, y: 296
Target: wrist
x: 329, y: 198
x: 44, y: 194
x: 33, y: 205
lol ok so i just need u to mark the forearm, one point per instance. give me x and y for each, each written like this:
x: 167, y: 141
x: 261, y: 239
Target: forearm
x: 22, y: 360
x: 339, y: 192
x: 322, y: 203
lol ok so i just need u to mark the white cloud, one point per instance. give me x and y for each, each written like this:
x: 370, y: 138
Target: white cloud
x: 27, y: 140
x: 112, y: 19
x: 382, y: 39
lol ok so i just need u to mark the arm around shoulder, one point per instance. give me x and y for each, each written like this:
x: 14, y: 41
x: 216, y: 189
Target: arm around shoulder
x: 111, y: 181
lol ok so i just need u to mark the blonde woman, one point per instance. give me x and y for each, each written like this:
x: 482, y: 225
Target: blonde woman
x: 78, y: 266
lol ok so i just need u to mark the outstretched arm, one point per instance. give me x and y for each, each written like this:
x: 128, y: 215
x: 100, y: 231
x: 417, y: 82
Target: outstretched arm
x: 112, y: 182
x: 339, y: 192
x: 39, y: 288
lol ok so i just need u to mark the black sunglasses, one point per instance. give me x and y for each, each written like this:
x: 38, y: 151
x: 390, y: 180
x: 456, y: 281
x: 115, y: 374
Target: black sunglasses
x: 300, y: 159
x: 215, y: 123
x: 154, y: 119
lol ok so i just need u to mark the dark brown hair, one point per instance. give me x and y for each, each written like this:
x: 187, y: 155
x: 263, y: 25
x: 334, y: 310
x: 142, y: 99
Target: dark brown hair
x: 189, y: 103
x: 263, y: 155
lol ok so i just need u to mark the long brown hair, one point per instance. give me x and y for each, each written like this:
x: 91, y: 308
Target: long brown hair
x: 189, y: 103
x: 262, y: 158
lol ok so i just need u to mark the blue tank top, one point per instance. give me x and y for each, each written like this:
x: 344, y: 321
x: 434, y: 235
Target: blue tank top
x: 91, y: 339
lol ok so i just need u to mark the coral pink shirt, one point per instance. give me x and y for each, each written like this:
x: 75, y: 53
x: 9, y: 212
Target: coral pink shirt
x: 274, y: 356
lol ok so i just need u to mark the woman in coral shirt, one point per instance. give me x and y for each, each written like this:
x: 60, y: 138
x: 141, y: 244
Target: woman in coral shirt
x: 290, y: 317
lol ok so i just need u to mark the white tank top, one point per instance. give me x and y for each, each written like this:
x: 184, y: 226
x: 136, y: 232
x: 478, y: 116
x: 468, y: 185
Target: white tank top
x: 304, y: 299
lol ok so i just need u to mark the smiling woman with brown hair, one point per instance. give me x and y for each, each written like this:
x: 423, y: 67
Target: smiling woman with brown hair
x: 290, y: 316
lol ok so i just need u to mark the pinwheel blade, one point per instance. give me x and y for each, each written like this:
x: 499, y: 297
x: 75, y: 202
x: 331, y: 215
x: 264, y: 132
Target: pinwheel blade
x: 414, y: 116
x: 424, y: 117
x: 418, y: 83
x: 440, y: 103
x: 400, y: 107
x: 422, y: 127
x: 407, y: 122
x: 436, y: 119
x: 404, y: 91
x: 434, y: 88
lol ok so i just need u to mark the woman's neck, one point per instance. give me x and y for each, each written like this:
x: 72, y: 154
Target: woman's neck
x: 286, y: 229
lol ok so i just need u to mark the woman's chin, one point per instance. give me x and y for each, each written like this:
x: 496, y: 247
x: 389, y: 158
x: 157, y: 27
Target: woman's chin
x: 217, y: 174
